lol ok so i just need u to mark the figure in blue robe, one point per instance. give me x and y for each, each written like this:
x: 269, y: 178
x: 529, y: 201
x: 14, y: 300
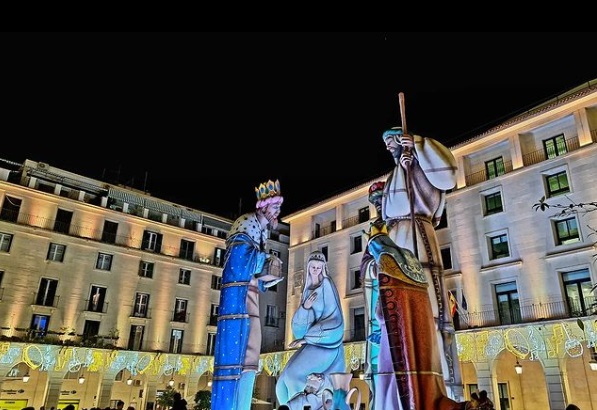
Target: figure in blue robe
x: 318, y: 329
x: 248, y: 270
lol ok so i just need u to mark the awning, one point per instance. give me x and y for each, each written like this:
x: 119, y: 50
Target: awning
x: 162, y: 207
x: 126, y: 197
x: 214, y: 223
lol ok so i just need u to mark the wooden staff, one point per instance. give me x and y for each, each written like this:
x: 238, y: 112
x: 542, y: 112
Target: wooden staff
x: 409, y: 189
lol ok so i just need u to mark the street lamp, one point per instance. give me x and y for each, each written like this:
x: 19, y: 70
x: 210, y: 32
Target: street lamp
x: 81, y: 379
x: 171, y: 382
x: 592, y: 365
x: 26, y: 377
x: 518, y: 367
x: 129, y: 381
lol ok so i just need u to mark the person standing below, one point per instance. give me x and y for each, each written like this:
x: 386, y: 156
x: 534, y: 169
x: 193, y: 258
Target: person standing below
x: 484, y: 402
x: 179, y: 403
x: 318, y: 329
x: 425, y: 169
x: 248, y: 270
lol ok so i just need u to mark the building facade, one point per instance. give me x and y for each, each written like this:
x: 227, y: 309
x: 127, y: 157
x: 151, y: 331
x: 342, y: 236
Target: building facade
x: 111, y: 284
x: 109, y: 293
x: 522, y: 278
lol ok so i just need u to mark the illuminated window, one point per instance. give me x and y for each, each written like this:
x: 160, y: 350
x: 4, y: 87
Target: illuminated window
x: 566, y: 231
x: 176, y: 341
x: 104, y: 261
x: 498, y: 246
x: 555, y: 146
x: 56, y: 252
x: 557, y: 184
x: 5, y: 242
x: 495, y: 167
x: 146, y: 269
x: 184, y: 276
x: 493, y: 203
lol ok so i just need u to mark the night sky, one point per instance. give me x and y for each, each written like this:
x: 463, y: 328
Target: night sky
x: 200, y: 119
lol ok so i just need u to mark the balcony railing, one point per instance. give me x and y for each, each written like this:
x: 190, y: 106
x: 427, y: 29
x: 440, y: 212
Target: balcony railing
x: 98, y: 308
x: 526, y: 314
x: 43, y: 300
x: 143, y: 313
x: 481, y: 176
x: 537, y: 156
x: 181, y: 317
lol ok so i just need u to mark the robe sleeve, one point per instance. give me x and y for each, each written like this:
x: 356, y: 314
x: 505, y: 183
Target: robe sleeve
x: 437, y: 162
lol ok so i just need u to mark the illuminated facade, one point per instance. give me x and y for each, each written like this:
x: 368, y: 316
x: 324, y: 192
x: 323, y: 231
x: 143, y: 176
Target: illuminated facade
x: 87, y: 266
x: 109, y: 283
x: 522, y: 278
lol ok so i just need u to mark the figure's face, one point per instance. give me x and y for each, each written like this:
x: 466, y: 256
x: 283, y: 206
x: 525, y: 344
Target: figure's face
x: 315, y: 268
x: 391, y: 145
x: 271, y: 212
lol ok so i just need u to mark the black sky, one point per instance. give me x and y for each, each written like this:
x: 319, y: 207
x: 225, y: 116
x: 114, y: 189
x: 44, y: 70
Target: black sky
x: 200, y: 119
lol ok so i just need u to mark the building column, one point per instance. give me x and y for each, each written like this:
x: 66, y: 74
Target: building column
x: 516, y: 152
x: 582, y: 127
x: 53, y: 388
x: 460, y: 173
x: 104, y: 390
x: 485, y: 379
x: 555, y: 385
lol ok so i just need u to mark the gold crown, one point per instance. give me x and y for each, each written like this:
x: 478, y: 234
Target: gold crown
x: 268, y: 189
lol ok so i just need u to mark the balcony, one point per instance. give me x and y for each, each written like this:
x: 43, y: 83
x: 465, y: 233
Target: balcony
x: 481, y: 176
x: 526, y: 314
x: 537, y: 156
x: 180, y: 316
x: 90, y: 306
x: 141, y: 312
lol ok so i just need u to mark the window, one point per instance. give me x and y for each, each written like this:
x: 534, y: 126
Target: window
x: 219, y: 257
x: 355, y: 279
x: 557, y: 184
x: 317, y: 233
x: 364, y: 214
x: 472, y: 388
x: 63, y: 220
x: 495, y: 167
x: 56, y: 252
x: 186, y: 249
x: 357, y: 244
x: 136, y: 337
x: 176, y: 341
x: 184, y: 276
x: 333, y: 226
x: 5, y: 242
x: 180, y: 310
x: 446, y: 258
x: 140, y: 308
x: 10, y: 209
x: 498, y: 247
x: 90, y: 329
x: 503, y: 395
x: 152, y: 241
x: 146, y: 269
x: 508, y: 304
x: 566, y: 231
x: 109, y: 232
x: 271, y: 315
x: 577, y: 289
x: 493, y: 203
x: 324, y: 250
x: 555, y: 146
x: 216, y: 282
x: 104, y: 261
x: 97, y: 299
x: 213, y: 316
x: 211, y: 342
x: 39, y: 325
x: 47, y: 292
x: 358, y: 320
x: 443, y: 220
